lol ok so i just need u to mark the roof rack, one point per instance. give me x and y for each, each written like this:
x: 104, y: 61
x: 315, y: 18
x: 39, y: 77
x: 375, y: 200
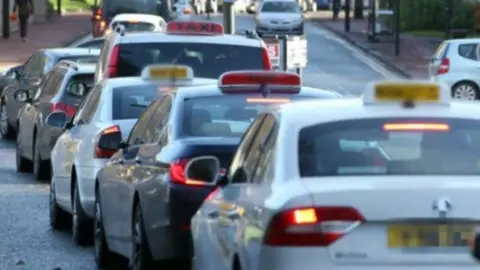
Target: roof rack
x: 248, y: 33
x: 68, y: 64
x: 120, y: 29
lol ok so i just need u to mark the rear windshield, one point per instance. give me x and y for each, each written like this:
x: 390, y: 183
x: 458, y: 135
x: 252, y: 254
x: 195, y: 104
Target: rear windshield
x: 111, y: 8
x: 228, y: 115
x: 289, y: 7
x: 130, y: 101
x: 135, y: 26
x: 206, y: 60
x: 390, y: 147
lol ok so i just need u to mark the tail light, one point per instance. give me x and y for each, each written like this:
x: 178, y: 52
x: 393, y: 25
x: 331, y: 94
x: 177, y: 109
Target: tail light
x: 177, y: 173
x: 113, y: 62
x: 97, y: 14
x: 320, y: 226
x: 68, y: 109
x: 107, y: 142
x: 267, y: 63
x: 444, y: 66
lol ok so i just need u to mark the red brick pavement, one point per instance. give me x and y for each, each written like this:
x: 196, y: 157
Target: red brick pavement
x: 56, y: 32
x: 414, y: 51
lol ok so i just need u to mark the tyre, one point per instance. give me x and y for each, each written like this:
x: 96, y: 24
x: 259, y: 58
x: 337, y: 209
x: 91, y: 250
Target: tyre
x: 22, y: 164
x: 141, y: 258
x: 6, y: 130
x: 41, y: 168
x: 82, y: 226
x: 59, y: 219
x: 465, y: 91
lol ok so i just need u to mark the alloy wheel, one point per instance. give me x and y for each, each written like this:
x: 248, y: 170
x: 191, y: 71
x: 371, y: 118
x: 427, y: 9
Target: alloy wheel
x: 465, y: 92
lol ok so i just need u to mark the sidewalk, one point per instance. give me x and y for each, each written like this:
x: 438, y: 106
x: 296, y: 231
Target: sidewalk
x: 54, y: 33
x: 414, y: 55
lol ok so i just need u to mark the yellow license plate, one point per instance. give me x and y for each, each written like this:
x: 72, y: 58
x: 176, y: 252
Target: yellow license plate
x: 420, y: 236
x: 168, y: 73
x: 403, y: 92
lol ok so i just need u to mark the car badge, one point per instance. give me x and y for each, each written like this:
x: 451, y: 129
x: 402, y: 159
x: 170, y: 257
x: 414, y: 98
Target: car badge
x: 442, y: 206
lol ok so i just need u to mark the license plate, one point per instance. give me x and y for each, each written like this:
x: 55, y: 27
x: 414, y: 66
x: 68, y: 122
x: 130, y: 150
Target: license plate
x: 420, y: 236
x: 402, y: 92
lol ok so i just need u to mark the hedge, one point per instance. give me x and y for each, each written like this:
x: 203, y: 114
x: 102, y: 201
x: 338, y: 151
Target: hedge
x: 418, y: 15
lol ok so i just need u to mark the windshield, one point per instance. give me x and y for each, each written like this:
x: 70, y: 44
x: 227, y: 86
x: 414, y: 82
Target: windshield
x: 206, y: 60
x: 227, y: 115
x: 130, y: 101
x: 135, y: 26
x: 115, y: 7
x: 280, y: 7
x: 390, y: 147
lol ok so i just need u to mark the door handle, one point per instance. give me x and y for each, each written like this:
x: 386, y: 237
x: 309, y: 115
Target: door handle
x: 213, y: 214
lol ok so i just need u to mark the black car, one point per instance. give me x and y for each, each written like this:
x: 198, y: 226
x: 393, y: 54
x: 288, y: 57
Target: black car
x: 145, y: 186
x: 39, y: 64
x: 63, y: 89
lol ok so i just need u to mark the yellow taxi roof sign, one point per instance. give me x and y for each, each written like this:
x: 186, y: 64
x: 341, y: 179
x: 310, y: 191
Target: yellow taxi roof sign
x: 407, y: 92
x: 170, y: 75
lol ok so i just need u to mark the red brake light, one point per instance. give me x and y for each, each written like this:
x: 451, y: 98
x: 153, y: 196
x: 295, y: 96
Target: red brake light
x: 113, y: 62
x: 177, y: 173
x: 67, y: 109
x: 444, y: 66
x: 99, y: 11
x: 252, y: 81
x: 107, y: 153
x: 192, y: 27
x: 320, y: 226
x: 408, y: 127
x: 267, y: 62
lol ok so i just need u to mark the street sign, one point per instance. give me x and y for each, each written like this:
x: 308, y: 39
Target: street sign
x: 296, y: 52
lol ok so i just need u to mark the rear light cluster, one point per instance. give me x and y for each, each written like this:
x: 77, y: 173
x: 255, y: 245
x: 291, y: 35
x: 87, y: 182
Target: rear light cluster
x: 267, y: 63
x: 112, y: 135
x: 319, y: 226
x: 67, y: 109
x: 444, y: 66
x: 177, y: 173
x: 113, y: 62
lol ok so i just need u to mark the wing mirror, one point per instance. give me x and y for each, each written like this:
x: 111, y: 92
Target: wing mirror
x: 22, y: 95
x: 57, y: 119
x: 203, y: 170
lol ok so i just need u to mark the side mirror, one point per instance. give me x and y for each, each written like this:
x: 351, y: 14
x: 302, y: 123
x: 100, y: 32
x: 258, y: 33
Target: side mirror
x: 22, y: 95
x: 57, y: 119
x: 203, y: 170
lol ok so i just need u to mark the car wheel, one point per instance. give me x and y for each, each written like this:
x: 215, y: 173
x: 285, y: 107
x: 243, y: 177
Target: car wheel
x: 5, y: 129
x: 465, y: 91
x: 81, y: 224
x: 59, y: 219
x: 141, y: 258
x: 41, y: 168
x: 23, y: 164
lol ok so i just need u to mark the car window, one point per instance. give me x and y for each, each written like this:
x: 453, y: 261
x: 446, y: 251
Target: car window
x: 93, y: 44
x: 137, y: 135
x: 55, y: 82
x: 265, y: 165
x: 90, y: 107
x: 469, y: 51
x: 134, y: 26
x: 131, y: 101
x: 442, y: 50
x: 30, y: 63
x: 282, y: 6
x: 206, y: 60
x: 115, y: 7
x: 42, y: 85
x: 79, y: 85
x: 159, y: 120
x: 450, y: 148
x: 83, y: 104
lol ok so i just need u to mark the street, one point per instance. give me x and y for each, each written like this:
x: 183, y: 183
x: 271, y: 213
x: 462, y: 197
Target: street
x: 27, y: 242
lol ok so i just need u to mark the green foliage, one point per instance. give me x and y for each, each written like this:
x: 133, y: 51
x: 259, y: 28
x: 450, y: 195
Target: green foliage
x: 430, y: 15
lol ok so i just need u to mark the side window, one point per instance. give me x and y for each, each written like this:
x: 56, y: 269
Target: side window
x: 29, y: 65
x: 138, y: 132
x: 468, y: 51
x: 42, y: 85
x: 244, y: 147
x: 90, y: 106
x: 255, y: 151
x: 38, y: 67
x: 54, y: 83
x: 156, y: 126
x: 266, y: 162
x: 82, y: 105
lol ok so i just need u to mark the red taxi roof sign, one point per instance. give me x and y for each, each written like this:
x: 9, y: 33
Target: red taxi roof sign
x: 255, y: 80
x: 194, y: 27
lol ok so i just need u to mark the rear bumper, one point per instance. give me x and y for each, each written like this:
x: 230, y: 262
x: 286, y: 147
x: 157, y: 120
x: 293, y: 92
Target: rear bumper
x: 170, y: 242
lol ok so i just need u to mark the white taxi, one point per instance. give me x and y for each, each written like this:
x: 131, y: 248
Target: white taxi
x: 297, y: 198
x: 136, y: 22
x: 102, y: 122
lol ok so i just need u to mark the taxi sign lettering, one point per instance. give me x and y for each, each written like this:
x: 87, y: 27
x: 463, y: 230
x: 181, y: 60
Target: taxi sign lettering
x: 168, y: 73
x: 407, y: 92
x: 194, y: 27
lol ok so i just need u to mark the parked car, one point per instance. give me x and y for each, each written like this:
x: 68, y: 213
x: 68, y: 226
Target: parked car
x: 9, y: 75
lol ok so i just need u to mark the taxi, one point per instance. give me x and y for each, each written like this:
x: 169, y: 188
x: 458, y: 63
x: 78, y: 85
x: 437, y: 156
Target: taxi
x: 145, y: 194
x: 295, y: 198
x: 136, y: 22
x: 203, y: 46
x: 102, y: 121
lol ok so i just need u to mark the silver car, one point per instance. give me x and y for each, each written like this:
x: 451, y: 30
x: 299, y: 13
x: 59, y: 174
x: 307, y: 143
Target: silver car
x: 457, y: 63
x: 279, y: 17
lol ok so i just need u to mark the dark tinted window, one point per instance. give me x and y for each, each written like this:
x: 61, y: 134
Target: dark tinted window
x: 206, y: 60
x: 86, y: 59
x: 135, y: 26
x: 79, y: 85
x: 111, y: 8
x: 390, y: 147
x: 130, y: 101
x: 469, y: 51
x: 227, y: 115
x: 92, y: 44
x: 280, y: 7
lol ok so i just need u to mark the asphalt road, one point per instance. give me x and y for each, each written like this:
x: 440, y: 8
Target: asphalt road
x: 26, y: 241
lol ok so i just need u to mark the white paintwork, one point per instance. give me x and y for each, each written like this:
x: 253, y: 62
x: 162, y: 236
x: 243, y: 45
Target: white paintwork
x: 277, y: 20
x: 154, y: 20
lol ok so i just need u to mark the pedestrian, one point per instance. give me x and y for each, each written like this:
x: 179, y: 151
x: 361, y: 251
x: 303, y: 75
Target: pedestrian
x: 24, y: 9
x: 336, y: 8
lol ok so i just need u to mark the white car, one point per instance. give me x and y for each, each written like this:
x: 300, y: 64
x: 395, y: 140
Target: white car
x: 137, y: 22
x: 296, y: 198
x: 279, y: 17
x: 182, y: 9
x: 457, y: 63
x: 104, y: 119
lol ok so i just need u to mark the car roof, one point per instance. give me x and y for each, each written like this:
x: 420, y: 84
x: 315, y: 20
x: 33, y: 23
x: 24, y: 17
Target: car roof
x: 130, y: 81
x: 331, y: 110
x: 159, y: 37
x: 464, y: 40
x: 137, y: 16
x: 59, y: 52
